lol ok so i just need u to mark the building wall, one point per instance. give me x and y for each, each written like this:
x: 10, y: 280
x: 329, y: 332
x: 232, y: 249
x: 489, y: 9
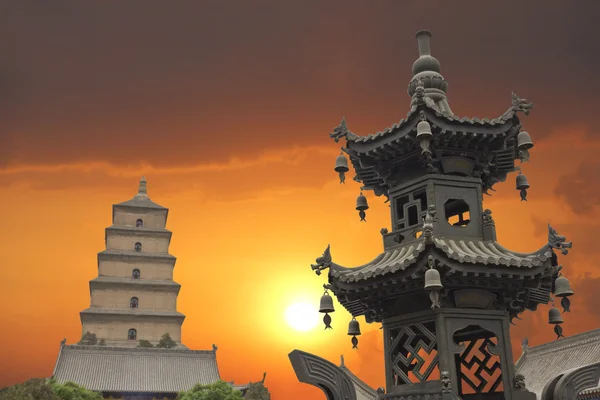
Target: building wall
x: 148, y: 270
x: 153, y: 219
x: 115, y: 241
x: 151, y: 300
x: 117, y: 330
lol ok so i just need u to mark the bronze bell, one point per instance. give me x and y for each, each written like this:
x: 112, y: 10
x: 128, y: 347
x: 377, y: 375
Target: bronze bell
x: 341, y: 167
x: 361, y: 203
x: 522, y: 182
x: 554, y: 316
x: 524, y: 141
x: 353, y: 328
x: 562, y: 287
x: 424, y: 130
x: 326, y: 304
x: 432, y: 279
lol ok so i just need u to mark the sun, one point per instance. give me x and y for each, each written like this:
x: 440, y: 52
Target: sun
x: 302, y: 316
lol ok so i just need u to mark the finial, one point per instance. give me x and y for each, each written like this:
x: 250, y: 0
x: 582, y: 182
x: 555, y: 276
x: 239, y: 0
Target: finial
x: 423, y: 42
x: 142, y: 189
x: 264, y: 377
x: 214, y: 346
x: 525, y: 344
x: 342, y: 360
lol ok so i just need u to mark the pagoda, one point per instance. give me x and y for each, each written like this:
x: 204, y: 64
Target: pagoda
x: 134, y: 296
x: 444, y: 289
x: 124, y: 352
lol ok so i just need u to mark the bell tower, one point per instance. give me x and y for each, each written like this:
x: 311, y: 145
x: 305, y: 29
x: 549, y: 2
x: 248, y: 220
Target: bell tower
x: 444, y: 290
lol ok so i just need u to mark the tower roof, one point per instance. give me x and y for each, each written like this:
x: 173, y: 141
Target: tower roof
x: 141, y: 199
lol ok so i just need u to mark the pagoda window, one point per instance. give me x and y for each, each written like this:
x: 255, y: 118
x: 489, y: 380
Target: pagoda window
x: 138, y: 247
x: 133, y: 303
x: 411, y: 209
x: 135, y: 274
x: 457, y: 212
x: 132, y: 334
x: 139, y: 223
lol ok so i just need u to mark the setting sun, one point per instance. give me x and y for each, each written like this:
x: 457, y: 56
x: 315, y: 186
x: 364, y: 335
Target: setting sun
x: 302, y: 316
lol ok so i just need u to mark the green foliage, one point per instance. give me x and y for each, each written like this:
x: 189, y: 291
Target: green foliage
x: 42, y: 389
x: 102, y: 342
x: 144, y: 343
x: 72, y: 391
x: 33, y: 389
x: 217, y: 391
x: 166, y: 342
x: 257, y: 391
x: 89, y: 339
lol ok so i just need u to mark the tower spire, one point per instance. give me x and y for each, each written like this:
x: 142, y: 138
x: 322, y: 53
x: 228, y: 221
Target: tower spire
x: 143, y: 191
x: 427, y: 84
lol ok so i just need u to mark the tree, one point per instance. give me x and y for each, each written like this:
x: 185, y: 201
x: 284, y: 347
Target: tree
x: 166, y: 342
x: 89, y: 339
x: 144, y: 343
x: 217, y: 391
x: 43, y: 389
x: 102, y: 342
x: 72, y: 391
x: 257, y: 391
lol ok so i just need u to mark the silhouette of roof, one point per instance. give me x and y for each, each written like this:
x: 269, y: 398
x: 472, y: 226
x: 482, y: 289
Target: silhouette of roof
x: 542, y: 363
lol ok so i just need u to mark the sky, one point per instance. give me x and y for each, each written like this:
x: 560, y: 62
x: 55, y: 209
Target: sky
x: 226, y: 107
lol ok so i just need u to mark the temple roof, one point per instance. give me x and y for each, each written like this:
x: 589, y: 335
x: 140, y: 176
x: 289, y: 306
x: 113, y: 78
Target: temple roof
x: 472, y: 251
x: 122, y: 370
x: 363, y: 391
x: 141, y: 199
x: 542, y: 363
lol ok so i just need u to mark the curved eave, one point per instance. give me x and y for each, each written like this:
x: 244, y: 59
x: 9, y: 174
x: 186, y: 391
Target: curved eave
x: 460, y: 255
x: 403, y: 129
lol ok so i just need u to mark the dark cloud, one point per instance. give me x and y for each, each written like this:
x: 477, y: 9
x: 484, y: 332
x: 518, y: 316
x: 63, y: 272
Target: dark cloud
x: 581, y: 188
x: 181, y: 83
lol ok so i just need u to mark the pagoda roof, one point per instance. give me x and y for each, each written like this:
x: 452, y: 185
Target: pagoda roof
x: 141, y: 199
x: 542, y: 363
x: 465, y: 251
x: 133, y: 253
x: 403, y: 127
x: 136, y: 370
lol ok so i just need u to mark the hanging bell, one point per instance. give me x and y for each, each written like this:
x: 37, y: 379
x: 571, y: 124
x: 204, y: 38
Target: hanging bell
x: 524, y: 141
x: 424, y: 130
x: 554, y: 316
x: 326, y: 307
x: 341, y: 167
x: 522, y: 185
x: 432, y: 279
x: 562, y: 287
x: 354, y: 331
x: 361, y: 206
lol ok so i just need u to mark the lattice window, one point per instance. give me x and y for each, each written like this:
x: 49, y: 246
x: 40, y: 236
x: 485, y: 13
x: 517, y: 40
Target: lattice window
x: 411, y: 209
x: 479, y: 370
x: 413, y: 354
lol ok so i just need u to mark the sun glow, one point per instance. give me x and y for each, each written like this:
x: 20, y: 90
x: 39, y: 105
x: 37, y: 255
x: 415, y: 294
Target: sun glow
x: 302, y: 316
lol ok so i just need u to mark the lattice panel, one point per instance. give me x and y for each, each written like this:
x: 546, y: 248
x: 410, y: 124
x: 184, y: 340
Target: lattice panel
x: 413, y: 353
x: 480, y: 371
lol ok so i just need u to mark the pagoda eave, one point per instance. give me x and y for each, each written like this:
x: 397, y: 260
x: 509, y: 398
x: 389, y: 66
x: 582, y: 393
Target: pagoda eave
x: 130, y: 255
x: 111, y: 283
x: 128, y: 314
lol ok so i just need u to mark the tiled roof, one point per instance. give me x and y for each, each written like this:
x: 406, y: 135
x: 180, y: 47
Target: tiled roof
x: 449, y: 117
x: 112, y: 369
x: 465, y: 251
x: 542, y: 363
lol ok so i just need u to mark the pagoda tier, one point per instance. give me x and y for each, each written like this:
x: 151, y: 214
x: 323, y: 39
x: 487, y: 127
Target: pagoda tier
x: 394, y: 281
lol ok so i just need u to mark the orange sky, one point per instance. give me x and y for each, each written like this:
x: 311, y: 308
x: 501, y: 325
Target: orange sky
x: 232, y: 137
